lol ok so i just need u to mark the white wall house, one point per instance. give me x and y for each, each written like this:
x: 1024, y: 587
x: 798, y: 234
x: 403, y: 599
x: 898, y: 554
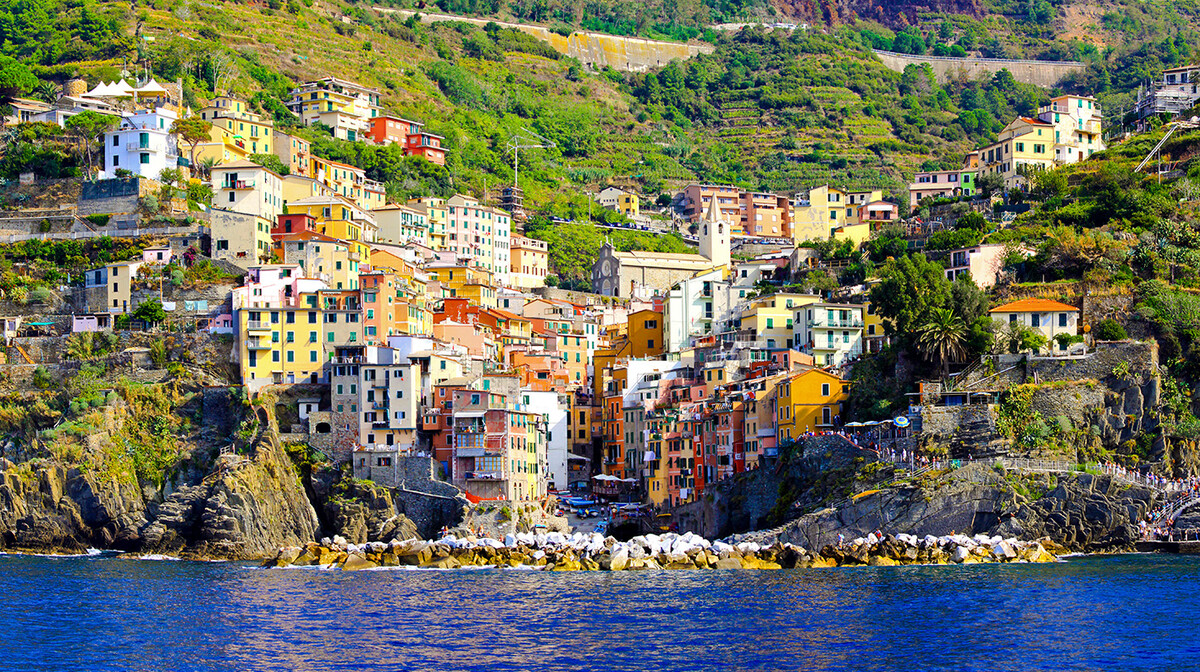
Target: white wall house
x: 143, y: 144
x: 830, y: 332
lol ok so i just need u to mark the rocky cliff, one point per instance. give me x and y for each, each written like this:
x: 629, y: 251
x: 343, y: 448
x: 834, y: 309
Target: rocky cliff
x: 1080, y: 513
x: 245, y: 507
x: 214, y: 499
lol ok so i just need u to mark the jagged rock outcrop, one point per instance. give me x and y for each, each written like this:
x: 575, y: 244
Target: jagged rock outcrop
x: 359, y: 511
x: 1082, y: 513
x: 246, y: 508
x: 1090, y: 513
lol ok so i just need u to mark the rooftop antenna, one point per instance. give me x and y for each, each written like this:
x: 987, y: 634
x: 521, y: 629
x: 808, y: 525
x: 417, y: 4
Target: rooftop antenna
x: 526, y: 139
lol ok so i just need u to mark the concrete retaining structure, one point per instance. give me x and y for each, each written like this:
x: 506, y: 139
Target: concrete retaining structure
x: 631, y: 54
x: 1045, y: 74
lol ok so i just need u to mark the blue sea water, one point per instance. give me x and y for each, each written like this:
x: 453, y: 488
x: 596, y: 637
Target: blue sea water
x: 1130, y: 612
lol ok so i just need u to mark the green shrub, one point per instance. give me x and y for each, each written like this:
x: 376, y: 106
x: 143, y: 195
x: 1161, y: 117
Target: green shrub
x: 1109, y: 330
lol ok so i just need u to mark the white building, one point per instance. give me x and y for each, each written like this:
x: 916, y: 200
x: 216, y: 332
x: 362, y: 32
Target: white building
x: 400, y: 224
x: 689, y: 310
x: 831, y: 332
x: 143, y: 144
x: 1048, y: 318
x: 554, y: 407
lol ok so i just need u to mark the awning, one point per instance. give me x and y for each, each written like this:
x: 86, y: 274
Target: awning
x: 470, y: 414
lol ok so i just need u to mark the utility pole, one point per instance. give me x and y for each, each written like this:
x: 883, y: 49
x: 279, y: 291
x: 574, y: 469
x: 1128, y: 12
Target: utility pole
x: 526, y: 139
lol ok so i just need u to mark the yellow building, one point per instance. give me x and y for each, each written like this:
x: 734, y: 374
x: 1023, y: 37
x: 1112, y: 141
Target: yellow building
x: 645, y: 334
x: 250, y: 132
x: 855, y: 233
x: 808, y: 402
x: 1025, y: 143
x: 451, y: 279
x: 349, y: 182
x: 874, y: 337
x: 339, y: 218
x: 620, y: 200
x: 299, y: 187
x: 530, y: 263
x: 476, y: 293
x: 573, y: 350
x: 436, y: 214
x: 294, y: 152
x: 292, y: 344
x: 771, y: 318
x: 345, y: 107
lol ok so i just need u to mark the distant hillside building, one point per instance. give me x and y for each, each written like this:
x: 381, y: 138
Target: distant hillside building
x: 1065, y: 131
x: 1177, y: 91
x: 620, y: 200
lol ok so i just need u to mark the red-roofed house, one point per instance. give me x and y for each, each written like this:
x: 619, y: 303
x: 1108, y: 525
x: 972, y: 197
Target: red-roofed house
x: 1047, y: 317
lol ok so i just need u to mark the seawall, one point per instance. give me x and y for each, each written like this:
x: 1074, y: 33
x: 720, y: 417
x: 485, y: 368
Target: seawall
x: 631, y: 54
x: 1045, y: 74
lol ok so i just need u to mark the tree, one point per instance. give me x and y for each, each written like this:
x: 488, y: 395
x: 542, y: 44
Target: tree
x: 942, y: 337
x: 272, y: 163
x: 910, y: 288
x: 971, y: 220
x: 150, y: 312
x: 1109, y: 330
x: 989, y: 184
x: 967, y: 300
x: 88, y: 126
x: 193, y: 131
x: 15, y: 80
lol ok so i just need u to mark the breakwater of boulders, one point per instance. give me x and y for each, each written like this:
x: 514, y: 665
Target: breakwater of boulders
x: 592, y: 552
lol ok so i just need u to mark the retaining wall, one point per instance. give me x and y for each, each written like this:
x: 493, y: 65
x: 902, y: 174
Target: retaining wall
x: 1046, y: 74
x: 632, y: 54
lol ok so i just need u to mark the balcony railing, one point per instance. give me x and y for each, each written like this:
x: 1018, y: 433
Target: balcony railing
x: 255, y: 325
x: 836, y: 324
x: 258, y: 345
x: 138, y: 147
x: 237, y: 184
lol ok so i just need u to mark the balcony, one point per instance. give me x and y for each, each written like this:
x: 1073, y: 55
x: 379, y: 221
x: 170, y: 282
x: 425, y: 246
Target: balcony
x: 487, y: 476
x: 254, y: 325
x: 379, y: 424
x: 258, y: 345
x: 836, y: 324
x: 137, y: 147
x: 379, y: 405
x: 237, y: 184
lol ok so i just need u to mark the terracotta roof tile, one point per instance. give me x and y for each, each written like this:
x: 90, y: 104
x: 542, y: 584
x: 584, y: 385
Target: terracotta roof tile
x: 1034, y: 306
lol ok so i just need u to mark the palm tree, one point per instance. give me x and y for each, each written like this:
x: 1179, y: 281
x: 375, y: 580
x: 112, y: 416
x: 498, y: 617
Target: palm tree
x: 943, y: 336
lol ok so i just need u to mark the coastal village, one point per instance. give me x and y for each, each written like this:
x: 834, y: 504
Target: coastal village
x: 426, y: 328
x: 433, y: 331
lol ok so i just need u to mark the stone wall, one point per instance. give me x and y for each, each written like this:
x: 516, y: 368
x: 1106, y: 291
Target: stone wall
x: 631, y: 54
x: 1045, y: 74
x: 428, y: 502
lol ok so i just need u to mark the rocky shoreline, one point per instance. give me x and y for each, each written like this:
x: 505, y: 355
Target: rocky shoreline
x: 592, y: 552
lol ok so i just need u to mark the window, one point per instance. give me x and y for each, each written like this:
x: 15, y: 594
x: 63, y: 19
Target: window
x: 1062, y: 319
x: 145, y: 159
x: 824, y: 389
x: 1035, y: 320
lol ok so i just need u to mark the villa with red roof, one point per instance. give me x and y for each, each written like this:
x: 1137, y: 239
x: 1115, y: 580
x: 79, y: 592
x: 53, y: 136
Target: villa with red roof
x: 1047, y: 317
